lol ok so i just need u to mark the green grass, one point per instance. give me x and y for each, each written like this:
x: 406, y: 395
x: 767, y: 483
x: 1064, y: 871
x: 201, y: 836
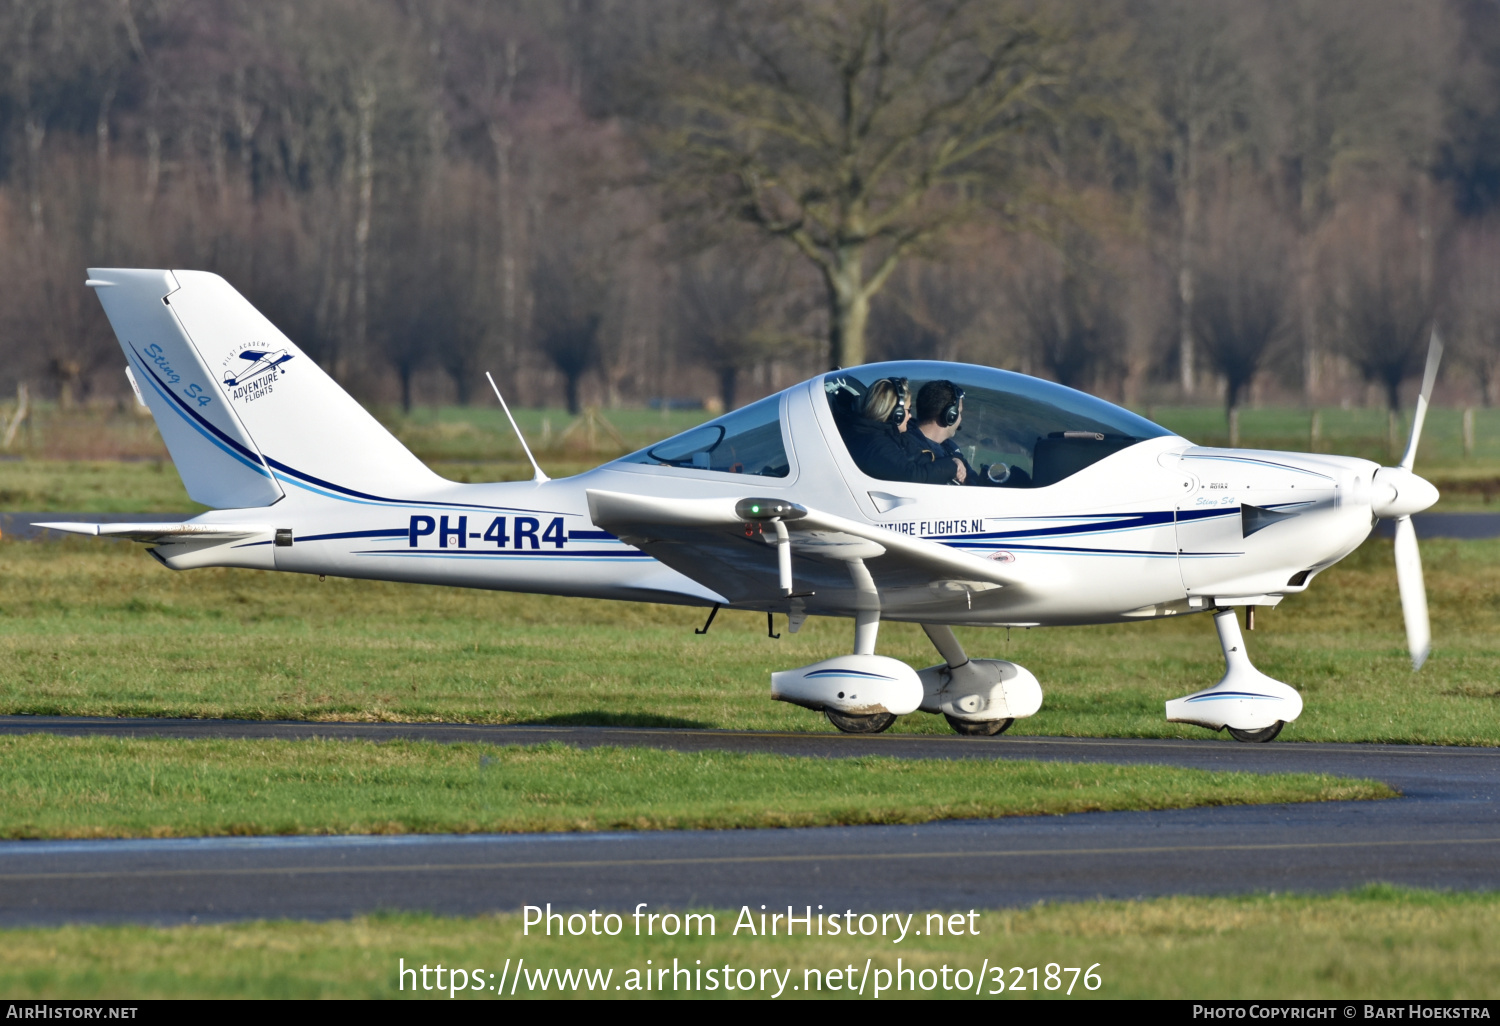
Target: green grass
x: 98, y: 628
x: 1351, y: 432
x: 1375, y: 943
x: 107, y: 787
x: 94, y: 486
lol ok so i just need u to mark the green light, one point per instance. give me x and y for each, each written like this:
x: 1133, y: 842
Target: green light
x: 754, y: 509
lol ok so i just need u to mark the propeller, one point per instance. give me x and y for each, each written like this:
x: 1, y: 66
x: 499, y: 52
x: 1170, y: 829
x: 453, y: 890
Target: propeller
x: 1398, y: 494
x: 1413, y: 593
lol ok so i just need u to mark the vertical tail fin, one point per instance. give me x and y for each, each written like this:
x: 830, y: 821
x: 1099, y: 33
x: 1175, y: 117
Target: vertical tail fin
x: 246, y: 414
x: 218, y: 459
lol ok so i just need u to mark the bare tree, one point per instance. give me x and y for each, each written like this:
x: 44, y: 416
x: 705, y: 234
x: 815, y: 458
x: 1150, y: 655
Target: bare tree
x: 862, y: 131
x: 1067, y: 304
x: 930, y: 309
x: 736, y: 312
x: 572, y: 297
x: 1205, y: 102
x: 1381, y: 304
x: 405, y: 173
x: 1473, y: 307
x: 1351, y: 93
x: 1244, y: 296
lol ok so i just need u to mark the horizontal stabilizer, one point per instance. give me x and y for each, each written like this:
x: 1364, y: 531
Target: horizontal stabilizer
x: 162, y: 532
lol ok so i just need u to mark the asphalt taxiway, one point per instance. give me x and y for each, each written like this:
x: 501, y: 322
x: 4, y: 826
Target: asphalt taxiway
x: 1443, y: 832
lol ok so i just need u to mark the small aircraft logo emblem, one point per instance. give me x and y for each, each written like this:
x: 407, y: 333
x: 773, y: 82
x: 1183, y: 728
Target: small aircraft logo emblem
x: 261, y: 362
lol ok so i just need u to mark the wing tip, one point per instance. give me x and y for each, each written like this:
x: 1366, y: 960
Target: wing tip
x: 70, y: 527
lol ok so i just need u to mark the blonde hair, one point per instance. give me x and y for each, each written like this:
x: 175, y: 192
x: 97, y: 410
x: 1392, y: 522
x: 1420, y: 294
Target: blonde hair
x: 880, y: 401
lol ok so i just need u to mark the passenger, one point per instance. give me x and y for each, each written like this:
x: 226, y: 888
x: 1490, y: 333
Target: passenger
x: 882, y: 446
x: 940, y: 414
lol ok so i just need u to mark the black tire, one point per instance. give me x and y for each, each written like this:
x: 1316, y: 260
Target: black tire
x: 1260, y: 736
x: 979, y: 728
x: 872, y: 724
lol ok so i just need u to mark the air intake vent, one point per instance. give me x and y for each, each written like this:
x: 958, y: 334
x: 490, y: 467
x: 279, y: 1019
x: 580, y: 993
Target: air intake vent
x: 1254, y: 518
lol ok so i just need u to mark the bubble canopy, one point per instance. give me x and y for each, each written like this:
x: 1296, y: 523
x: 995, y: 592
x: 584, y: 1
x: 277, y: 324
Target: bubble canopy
x: 747, y: 441
x: 1039, y: 430
x: 1034, y: 432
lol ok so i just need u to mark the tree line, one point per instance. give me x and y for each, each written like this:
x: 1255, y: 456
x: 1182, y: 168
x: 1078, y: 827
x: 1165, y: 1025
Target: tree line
x: 608, y: 201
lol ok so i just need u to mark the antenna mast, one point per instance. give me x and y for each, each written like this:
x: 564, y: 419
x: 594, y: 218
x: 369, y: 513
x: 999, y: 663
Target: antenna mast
x: 540, y: 477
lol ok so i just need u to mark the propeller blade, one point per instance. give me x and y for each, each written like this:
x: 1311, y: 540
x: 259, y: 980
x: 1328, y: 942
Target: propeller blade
x: 1413, y: 593
x: 1429, y: 378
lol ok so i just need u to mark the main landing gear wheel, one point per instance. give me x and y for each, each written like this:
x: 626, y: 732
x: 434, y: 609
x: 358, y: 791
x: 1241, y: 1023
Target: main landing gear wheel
x: 981, y: 728
x: 872, y: 724
x: 1260, y: 736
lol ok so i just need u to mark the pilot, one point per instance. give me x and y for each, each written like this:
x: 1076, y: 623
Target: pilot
x: 883, y: 447
x: 940, y: 413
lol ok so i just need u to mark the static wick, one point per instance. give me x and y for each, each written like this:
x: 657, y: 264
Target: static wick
x: 539, y: 476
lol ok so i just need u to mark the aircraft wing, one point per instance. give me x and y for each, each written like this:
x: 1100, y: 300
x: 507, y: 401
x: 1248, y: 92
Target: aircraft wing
x: 177, y: 532
x: 838, y: 565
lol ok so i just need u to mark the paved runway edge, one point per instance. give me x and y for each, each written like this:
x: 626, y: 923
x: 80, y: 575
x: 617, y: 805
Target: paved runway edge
x: 1401, y: 766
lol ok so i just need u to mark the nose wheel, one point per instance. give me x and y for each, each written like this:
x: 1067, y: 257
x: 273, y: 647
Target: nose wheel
x: 1257, y: 736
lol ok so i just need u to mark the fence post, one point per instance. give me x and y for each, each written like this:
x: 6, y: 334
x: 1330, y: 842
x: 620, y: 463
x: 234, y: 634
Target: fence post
x: 1468, y: 432
x: 23, y: 407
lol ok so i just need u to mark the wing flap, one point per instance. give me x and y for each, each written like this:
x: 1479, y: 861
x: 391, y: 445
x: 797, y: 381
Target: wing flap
x: 708, y: 541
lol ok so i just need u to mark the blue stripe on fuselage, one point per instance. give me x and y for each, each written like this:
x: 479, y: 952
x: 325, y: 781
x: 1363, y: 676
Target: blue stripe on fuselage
x: 198, y: 423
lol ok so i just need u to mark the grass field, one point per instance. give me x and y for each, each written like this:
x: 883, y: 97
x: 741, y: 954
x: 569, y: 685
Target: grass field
x: 105, y: 787
x: 1377, y: 942
x: 89, y: 627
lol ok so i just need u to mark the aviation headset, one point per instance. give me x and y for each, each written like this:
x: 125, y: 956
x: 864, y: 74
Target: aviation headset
x: 903, y: 389
x: 949, y: 416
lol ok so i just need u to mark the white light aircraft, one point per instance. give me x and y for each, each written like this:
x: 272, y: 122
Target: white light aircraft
x: 1100, y: 516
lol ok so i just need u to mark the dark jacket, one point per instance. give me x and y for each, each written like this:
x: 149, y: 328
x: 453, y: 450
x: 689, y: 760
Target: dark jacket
x: 948, y: 449
x: 883, y: 452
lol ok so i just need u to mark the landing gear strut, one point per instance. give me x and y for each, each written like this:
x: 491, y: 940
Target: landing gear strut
x: 1251, y: 705
x: 978, y: 697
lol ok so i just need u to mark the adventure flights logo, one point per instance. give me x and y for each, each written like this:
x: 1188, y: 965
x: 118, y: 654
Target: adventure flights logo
x: 257, y: 377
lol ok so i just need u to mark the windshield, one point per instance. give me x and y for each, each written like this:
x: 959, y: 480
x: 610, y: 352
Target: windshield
x: 747, y: 441
x: 1014, y: 431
